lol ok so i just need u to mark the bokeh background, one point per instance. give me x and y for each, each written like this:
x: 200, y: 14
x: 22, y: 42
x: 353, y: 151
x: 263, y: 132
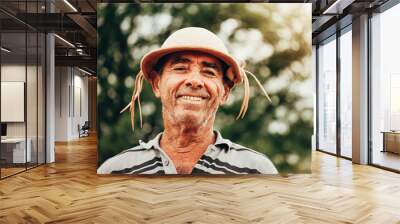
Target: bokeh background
x: 273, y: 39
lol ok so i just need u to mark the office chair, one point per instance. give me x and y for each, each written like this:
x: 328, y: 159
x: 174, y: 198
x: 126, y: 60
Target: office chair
x: 84, y: 130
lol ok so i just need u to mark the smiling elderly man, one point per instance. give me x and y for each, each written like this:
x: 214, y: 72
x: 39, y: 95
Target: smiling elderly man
x: 192, y: 73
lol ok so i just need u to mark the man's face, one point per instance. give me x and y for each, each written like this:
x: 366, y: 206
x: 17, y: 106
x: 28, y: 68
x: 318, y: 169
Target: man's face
x: 191, y: 87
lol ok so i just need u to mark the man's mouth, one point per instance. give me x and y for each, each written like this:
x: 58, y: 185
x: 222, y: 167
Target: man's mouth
x: 192, y: 99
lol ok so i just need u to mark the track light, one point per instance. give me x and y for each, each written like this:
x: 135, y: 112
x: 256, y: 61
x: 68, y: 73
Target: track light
x: 5, y: 50
x: 70, y: 5
x: 337, y: 7
x: 84, y: 71
x: 64, y: 40
x: 329, y: 9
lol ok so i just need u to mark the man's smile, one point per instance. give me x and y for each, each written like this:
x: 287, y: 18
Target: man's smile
x: 191, y: 98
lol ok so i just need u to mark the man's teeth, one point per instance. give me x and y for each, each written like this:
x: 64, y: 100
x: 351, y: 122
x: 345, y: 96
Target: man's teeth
x: 194, y: 98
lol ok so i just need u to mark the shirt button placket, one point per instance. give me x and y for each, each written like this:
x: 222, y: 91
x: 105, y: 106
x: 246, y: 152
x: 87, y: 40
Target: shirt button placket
x: 168, y: 168
x: 166, y: 162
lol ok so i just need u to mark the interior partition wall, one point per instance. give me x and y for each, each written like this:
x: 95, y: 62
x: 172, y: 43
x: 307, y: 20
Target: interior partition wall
x: 22, y: 101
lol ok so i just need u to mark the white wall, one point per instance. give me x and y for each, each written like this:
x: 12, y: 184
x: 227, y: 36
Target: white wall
x: 33, y: 127
x: 12, y: 73
x: 61, y: 103
x: 71, y: 94
x: 80, y: 96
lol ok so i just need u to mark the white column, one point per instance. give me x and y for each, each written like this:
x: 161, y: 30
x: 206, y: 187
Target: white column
x: 360, y: 90
x: 50, y: 93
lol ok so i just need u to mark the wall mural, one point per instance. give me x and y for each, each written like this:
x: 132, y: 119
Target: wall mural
x: 204, y: 88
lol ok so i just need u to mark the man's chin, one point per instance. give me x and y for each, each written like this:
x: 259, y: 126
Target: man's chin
x: 189, y: 117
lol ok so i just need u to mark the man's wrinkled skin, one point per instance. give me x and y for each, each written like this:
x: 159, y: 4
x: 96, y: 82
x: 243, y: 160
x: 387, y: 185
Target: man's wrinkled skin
x: 191, y: 89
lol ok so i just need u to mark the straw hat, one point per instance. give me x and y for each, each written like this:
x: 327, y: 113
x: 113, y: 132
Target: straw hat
x: 192, y: 39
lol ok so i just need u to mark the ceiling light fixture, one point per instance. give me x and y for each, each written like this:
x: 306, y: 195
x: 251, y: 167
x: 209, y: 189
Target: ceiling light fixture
x: 5, y: 50
x: 329, y: 9
x: 70, y: 5
x: 84, y: 71
x: 65, y: 41
x: 80, y: 51
x: 337, y: 7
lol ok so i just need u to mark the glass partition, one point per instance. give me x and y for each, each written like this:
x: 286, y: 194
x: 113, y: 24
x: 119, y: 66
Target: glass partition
x: 14, y: 145
x: 41, y: 110
x: 35, y: 50
x: 31, y: 99
x: 22, y: 87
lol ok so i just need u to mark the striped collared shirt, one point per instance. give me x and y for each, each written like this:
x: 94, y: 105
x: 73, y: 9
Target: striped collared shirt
x: 222, y: 157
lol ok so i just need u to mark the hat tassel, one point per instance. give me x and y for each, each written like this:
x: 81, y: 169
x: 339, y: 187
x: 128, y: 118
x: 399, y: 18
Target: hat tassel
x: 135, y: 96
x: 246, y: 97
x: 260, y: 85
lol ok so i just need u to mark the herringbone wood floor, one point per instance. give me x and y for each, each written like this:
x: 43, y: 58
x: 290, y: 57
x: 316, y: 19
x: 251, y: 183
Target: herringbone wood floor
x: 69, y: 191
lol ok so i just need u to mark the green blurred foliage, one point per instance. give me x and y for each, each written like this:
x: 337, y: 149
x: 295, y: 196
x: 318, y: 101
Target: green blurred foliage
x: 279, y: 39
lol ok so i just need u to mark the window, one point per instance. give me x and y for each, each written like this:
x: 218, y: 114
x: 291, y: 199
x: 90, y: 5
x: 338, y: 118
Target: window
x: 385, y: 89
x: 346, y: 92
x: 327, y: 96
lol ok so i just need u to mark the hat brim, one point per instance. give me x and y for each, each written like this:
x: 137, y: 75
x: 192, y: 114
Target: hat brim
x: 150, y: 59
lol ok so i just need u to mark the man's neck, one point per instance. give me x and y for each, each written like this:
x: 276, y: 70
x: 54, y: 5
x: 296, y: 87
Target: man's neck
x: 185, y: 146
x: 183, y: 139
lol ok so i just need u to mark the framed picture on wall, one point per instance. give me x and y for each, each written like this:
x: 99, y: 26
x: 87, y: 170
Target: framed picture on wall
x: 12, y: 98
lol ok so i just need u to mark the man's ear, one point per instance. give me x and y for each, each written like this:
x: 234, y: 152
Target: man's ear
x: 225, y: 96
x: 155, y: 83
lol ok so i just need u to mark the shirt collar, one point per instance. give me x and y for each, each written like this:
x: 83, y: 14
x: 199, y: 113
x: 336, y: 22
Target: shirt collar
x: 153, y: 143
x: 220, y: 142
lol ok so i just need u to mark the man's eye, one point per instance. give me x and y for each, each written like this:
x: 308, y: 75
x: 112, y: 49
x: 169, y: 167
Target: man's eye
x: 179, y: 69
x: 210, y: 73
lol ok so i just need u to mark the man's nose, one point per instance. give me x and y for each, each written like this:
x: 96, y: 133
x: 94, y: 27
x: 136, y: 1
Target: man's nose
x: 194, y: 80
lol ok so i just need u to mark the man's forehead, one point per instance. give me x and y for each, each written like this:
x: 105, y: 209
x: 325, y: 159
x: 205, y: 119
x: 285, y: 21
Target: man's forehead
x: 188, y: 56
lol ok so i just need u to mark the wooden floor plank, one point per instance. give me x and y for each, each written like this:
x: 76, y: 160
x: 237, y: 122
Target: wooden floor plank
x: 70, y: 191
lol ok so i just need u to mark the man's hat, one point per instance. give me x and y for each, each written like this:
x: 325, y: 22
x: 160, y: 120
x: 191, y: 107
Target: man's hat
x: 192, y: 39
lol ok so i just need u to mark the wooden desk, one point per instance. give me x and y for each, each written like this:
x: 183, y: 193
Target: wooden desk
x: 391, y: 141
x: 13, y: 150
